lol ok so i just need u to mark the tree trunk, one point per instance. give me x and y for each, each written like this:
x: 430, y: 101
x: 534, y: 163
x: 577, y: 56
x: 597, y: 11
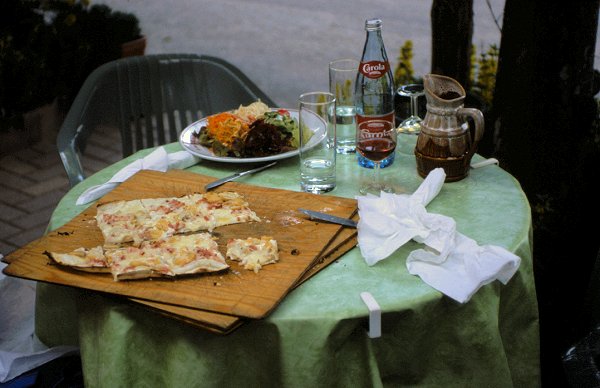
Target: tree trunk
x: 545, y: 131
x: 451, y: 36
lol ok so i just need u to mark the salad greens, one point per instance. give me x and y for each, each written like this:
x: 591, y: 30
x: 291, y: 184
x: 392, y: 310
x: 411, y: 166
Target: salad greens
x: 288, y: 125
x: 271, y: 133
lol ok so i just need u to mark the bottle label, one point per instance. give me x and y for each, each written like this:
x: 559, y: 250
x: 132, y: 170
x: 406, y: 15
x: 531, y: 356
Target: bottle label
x: 374, y: 69
x: 374, y: 129
x: 387, y: 117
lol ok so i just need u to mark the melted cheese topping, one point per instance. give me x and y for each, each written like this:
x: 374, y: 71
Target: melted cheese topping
x: 175, y: 255
x: 156, y: 218
x: 253, y: 253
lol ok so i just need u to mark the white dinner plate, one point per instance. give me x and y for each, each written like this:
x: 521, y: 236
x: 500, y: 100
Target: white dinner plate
x: 314, y: 122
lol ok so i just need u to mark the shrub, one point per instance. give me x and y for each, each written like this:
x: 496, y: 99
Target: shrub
x: 49, y: 47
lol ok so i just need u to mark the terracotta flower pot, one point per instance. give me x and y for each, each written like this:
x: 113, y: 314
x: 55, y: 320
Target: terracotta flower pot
x: 134, y: 47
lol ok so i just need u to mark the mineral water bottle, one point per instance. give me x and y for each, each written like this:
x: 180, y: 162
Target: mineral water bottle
x: 374, y: 93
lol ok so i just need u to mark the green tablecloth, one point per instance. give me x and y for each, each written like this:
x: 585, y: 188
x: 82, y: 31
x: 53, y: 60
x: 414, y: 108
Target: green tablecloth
x: 317, y: 336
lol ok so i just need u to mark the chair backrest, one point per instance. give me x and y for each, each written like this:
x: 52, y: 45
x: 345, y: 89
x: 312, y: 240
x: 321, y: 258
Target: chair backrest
x: 151, y: 99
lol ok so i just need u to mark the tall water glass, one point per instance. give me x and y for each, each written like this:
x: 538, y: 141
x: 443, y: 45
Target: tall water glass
x: 317, y: 142
x: 342, y: 78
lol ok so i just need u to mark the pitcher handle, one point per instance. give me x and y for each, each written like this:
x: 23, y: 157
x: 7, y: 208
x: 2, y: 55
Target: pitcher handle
x: 477, y: 117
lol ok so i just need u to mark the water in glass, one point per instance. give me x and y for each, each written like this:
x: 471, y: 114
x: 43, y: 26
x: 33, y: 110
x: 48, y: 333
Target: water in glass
x: 346, y: 129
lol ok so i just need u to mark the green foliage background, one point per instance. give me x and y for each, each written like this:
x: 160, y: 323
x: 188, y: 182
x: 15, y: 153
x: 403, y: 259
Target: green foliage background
x: 482, y: 76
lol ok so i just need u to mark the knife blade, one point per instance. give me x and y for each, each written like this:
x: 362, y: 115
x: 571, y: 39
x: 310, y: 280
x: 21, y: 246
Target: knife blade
x: 219, y: 182
x: 329, y: 218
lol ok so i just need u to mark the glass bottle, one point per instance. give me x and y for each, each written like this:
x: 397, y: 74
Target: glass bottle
x: 374, y: 93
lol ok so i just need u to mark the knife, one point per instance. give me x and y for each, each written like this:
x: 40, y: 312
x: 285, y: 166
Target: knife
x: 219, y: 182
x: 329, y: 218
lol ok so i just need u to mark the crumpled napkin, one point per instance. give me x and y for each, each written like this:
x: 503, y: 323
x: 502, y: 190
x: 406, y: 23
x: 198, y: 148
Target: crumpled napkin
x: 451, y: 262
x: 158, y: 160
x: 20, y: 349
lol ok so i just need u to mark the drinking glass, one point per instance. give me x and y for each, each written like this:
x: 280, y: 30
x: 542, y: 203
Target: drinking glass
x: 342, y: 78
x: 412, y: 124
x: 376, y: 140
x: 317, y: 142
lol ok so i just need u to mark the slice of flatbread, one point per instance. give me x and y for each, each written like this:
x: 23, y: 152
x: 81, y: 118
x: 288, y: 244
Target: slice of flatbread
x: 83, y: 259
x: 253, y: 253
x: 157, y: 218
x: 172, y: 256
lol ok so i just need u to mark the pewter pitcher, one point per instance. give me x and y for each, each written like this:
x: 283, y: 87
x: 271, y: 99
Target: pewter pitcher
x: 445, y: 139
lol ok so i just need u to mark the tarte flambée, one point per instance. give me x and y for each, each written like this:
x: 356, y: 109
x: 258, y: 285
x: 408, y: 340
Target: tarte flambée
x: 156, y: 218
x: 172, y: 256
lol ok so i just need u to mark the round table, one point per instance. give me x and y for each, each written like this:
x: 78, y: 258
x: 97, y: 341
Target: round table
x: 317, y: 335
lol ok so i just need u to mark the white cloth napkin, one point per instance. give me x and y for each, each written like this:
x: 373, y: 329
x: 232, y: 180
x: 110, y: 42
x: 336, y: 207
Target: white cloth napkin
x: 451, y: 262
x: 158, y: 160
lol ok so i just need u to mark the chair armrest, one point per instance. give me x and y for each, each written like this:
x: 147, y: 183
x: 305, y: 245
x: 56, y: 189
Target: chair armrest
x: 71, y: 161
x: 73, y: 133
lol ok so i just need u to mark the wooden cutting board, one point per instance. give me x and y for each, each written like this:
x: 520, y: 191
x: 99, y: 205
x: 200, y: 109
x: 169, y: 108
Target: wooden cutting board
x: 225, y: 324
x: 236, y: 292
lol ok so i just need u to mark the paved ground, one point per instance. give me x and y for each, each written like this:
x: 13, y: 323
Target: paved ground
x: 32, y: 182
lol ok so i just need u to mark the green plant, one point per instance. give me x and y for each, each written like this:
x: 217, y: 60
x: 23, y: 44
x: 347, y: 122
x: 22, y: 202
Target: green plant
x: 87, y: 36
x: 404, y: 72
x: 49, y: 47
x: 483, y: 73
x: 25, y: 71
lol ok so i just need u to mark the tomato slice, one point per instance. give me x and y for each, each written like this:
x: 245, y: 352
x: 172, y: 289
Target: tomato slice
x: 283, y: 112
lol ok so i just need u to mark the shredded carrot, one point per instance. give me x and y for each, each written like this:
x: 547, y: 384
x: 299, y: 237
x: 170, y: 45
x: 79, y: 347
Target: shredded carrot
x: 225, y: 127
